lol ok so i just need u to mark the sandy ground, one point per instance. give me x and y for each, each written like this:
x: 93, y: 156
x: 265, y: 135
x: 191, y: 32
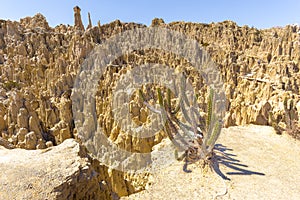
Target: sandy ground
x: 259, y: 164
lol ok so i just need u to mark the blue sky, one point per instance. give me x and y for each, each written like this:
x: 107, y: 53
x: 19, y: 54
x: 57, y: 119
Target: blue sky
x: 257, y: 13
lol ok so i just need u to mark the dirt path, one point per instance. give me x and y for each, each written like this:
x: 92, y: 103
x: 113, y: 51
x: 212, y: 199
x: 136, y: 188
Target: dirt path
x: 259, y: 164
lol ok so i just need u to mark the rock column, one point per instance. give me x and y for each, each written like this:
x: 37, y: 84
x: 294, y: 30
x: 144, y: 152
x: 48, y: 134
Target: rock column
x: 77, y: 17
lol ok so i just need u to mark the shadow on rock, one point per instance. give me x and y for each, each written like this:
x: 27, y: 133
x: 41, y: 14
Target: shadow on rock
x: 225, y: 156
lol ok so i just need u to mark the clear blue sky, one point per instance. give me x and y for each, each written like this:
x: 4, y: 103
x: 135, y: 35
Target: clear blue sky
x: 258, y: 13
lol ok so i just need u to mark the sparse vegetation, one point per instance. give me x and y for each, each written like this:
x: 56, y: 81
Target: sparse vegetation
x: 195, y: 134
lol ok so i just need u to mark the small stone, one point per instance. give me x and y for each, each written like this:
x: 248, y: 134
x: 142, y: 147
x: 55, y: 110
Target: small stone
x: 65, y: 134
x: 49, y: 144
x: 41, y: 144
x: 30, y: 140
x: 21, y: 134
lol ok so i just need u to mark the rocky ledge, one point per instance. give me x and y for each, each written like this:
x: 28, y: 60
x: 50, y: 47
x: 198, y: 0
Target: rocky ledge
x: 61, y: 172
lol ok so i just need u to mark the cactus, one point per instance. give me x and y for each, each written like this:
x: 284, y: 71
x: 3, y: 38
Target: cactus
x: 202, y: 133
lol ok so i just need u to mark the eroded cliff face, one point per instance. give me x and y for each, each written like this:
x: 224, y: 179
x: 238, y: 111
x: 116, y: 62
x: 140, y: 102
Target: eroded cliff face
x: 38, y: 67
x: 39, y: 64
x: 260, y: 68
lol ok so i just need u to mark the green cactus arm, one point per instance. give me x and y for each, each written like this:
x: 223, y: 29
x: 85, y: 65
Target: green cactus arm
x: 160, y: 98
x: 209, y: 109
x: 209, y: 118
x: 214, y: 136
x: 177, y: 108
x: 166, y: 106
x: 169, y: 97
x: 141, y: 95
x: 171, y: 132
x: 185, y: 128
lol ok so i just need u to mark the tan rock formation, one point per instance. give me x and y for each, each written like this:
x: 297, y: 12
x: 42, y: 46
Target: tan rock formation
x: 30, y: 140
x: 36, y: 22
x: 22, y: 119
x: 6, y: 144
x: 90, y: 25
x: 38, y: 66
x: 157, y: 22
x: 61, y: 172
x: 77, y: 17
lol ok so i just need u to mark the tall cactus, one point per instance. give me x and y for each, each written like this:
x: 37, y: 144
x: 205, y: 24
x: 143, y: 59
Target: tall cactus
x: 202, y: 133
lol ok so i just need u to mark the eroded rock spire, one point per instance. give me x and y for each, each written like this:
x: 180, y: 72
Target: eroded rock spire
x: 90, y: 25
x: 77, y: 17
